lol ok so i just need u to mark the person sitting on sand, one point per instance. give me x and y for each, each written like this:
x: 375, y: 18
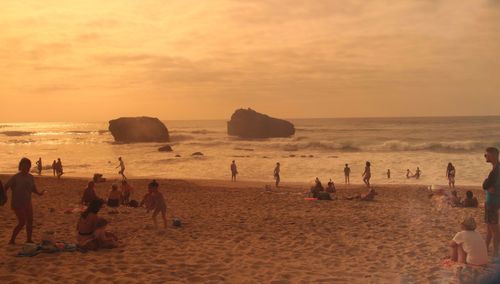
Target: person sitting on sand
x: 468, y: 246
x: 115, y: 197
x: 91, y: 229
x: 89, y: 194
x: 454, y: 199
x: 127, y: 191
x: 370, y: 196
x: 158, y: 204
x: 331, y: 187
x: 470, y: 200
x: 316, y: 189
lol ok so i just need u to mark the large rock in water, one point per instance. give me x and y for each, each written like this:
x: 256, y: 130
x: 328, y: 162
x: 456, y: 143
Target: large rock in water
x: 138, y: 129
x: 247, y: 123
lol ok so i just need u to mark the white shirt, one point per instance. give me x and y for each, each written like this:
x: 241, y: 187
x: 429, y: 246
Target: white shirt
x: 474, y: 245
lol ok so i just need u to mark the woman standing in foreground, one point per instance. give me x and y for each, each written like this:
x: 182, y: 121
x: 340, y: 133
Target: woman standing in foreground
x: 22, y: 185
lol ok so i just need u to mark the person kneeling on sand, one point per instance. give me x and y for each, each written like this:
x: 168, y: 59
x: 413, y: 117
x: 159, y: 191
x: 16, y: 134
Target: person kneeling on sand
x: 468, y: 246
x: 92, y: 234
x: 470, y: 200
x: 370, y: 196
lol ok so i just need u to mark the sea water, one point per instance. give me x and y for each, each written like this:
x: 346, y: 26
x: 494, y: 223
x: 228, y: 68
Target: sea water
x: 319, y: 148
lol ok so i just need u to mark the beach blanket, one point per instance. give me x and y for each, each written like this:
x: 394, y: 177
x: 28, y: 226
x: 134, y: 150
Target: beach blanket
x: 35, y: 249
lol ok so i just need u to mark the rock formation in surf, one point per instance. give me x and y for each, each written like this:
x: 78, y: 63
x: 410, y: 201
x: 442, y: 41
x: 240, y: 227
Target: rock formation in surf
x: 247, y: 123
x: 138, y: 129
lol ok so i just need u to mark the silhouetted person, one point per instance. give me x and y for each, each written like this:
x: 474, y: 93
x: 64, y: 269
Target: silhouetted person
x: 122, y: 168
x: 408, y: 173
x: 39, y: 166
x: 54, y: 167
x: 347, y: 172
x: 59, y: 168
x: 22, y: 185
x: 450, y: 174
x: 331, y: 187
x: 367, y: 174
x: 470, y: 200
x: 418, y: 173
x: 277, y: 174
x: 234, y: 171
x: 388, y: 173
x: 491, y: 186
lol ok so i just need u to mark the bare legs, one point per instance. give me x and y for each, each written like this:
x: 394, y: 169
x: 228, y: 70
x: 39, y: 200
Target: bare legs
x: 24, y: 218
x: 457, y: 253
x: 163, y: 215
x: 492, y: 235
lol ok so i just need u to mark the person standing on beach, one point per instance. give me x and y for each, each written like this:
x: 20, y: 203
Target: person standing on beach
x: 367, y: 174
x: 388, y: 173
x: 347, y: 172
x: 408, y: 173
x: 54, y: 167
x: 418, y: 173
x: 59, y: 168
x: 277, y: 174
x: 491, y: 186
x: 450, y: 174
x: 122, y: 168
x: 39, y: 166
x: 22, y: 185
x: 234, y: 171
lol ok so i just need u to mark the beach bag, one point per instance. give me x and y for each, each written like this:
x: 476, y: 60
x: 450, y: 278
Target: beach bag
x: 133, y: 203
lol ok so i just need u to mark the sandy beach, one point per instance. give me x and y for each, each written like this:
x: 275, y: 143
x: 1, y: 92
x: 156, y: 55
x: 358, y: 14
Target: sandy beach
x: 241, y: 233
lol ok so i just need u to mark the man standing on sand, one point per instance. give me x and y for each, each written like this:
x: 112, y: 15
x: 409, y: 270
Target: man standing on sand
x: 122, y: 168
x: 39, y: 166
x: 277, y: 174
x: 234, y: 171
x: 54, y: 166
x: 347, y: 172
x: 491, y: 187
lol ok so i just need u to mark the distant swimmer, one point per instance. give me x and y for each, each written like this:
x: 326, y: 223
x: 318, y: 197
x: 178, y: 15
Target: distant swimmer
x: 59, y: 168
x: 450, y: 174
x: 367, y: 174
x: 39, y: 166
x: 234, y: 171
x: 388, y: 173
x: 277, y: 174
x: 347, y: 172
x: 122, y: 168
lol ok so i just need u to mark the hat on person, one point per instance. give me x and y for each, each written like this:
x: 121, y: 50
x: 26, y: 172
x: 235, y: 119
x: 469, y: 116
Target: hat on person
x: 469, y: 223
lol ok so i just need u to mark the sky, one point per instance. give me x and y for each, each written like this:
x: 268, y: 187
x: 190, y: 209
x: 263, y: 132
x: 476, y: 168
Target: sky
x: 96, y: 60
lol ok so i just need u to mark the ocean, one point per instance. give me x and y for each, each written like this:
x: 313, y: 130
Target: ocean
x: 320, y: 148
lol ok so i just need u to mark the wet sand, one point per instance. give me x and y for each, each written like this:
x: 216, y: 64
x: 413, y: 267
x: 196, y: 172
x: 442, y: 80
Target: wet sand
x: 241, y: 233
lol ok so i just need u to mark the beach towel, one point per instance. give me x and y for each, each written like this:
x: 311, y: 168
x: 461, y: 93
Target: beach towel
x: 30, y: 250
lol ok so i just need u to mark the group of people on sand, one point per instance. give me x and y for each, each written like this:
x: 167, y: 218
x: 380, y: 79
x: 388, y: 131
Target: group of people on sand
x: 57, y: 167
x: 468, y: 246
x: 91, y: 228
x: 416, y: 175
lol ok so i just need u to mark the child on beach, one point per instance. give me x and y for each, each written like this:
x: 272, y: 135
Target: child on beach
x: 367, y: 174
x: 158, y: 204
x: 470, y: 200
x: 468, y: 246
x: 115, y: 197
x: 22, y: 185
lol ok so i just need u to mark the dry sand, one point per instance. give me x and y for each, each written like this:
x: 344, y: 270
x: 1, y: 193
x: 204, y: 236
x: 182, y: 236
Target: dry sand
x: 240, y: 233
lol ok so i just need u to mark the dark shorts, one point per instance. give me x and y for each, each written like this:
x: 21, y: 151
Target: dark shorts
x: 490, y: 213
x: 113, y: 202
